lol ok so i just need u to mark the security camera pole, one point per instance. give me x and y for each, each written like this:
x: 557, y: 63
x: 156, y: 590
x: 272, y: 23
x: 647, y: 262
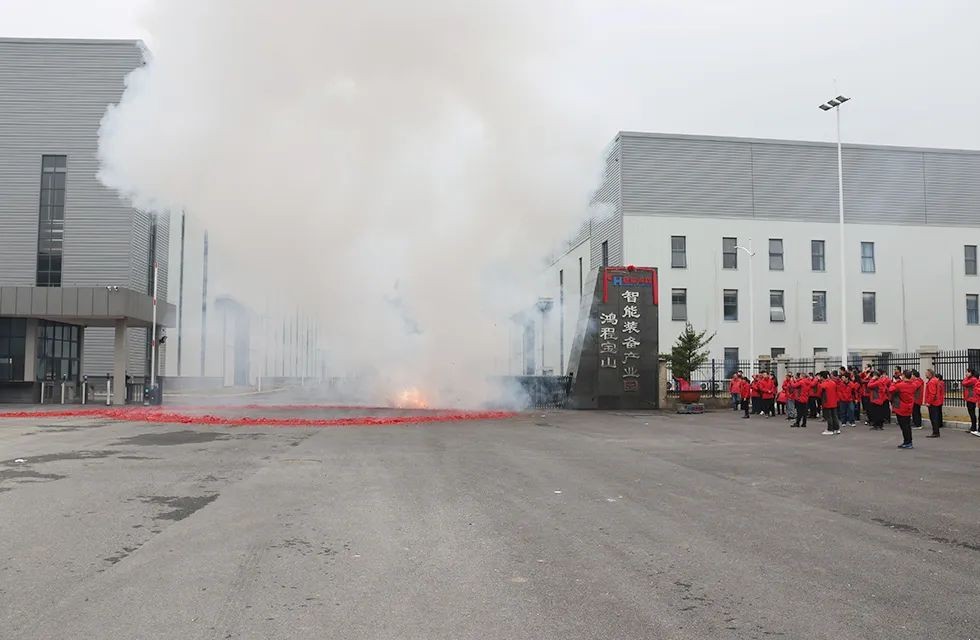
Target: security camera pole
x: 835, y: 103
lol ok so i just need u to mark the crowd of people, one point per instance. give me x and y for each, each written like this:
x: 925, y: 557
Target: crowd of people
x: 840, y: 397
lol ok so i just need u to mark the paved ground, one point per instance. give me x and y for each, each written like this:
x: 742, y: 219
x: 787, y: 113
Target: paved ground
x: 563, y: 526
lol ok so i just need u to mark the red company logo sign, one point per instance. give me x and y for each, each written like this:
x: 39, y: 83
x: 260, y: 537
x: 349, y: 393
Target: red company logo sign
x: 643, y: 277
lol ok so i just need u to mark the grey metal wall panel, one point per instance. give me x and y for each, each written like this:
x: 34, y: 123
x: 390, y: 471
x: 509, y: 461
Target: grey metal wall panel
x: 100, y: 302
x: 23, y: 301
x: 139, y: 252
x: 883, y: 186
x: 8, y: 301
x: 53, y: 94
x: 794, y: 183
x: 85, y: 304
x: 607, y: 223
x: 952, y: 189
x: 163, y: 253
x: 684, y: 177
x: 69, y: 302
x: 97, y: 356
x: 702, y: 176
x: 53, y: 303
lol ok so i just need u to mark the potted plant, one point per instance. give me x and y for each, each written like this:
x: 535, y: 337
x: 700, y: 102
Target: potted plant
x: 686, y: 355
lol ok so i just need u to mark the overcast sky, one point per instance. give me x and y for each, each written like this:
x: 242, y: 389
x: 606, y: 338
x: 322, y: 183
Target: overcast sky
x: 751, y: 68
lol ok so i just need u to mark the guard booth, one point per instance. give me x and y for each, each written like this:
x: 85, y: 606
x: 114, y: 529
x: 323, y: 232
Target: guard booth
x: 42, y: 338
x: 614, y: 361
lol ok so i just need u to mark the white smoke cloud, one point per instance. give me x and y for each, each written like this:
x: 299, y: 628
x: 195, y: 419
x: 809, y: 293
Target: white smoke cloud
x: 399, y: 169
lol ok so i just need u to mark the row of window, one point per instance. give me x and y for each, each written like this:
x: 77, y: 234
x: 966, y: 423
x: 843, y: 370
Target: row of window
x: 818, y: 255
x: 777, y: 306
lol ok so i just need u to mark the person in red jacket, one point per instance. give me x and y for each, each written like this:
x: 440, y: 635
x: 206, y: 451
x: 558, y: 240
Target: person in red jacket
x: 767, y: 388
x: 903, y: 398
x: 935, y: 397
x: 814, y: 382
x: 733, y: 386
x: 855, y: 386
x: 829, y: 400
x: 866, y: 394
x: 845, y: 406
x: 877, y: 398
x: 744, y: 392
x: 801, y: 398
x: 969, y: 385
x: 919, y: 399
x: 755, y: 395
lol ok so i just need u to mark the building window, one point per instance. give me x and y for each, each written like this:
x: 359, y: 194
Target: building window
x: 775, y: 352
x: 777, y: 312
x: 51, y: 221
x: 820, y: 306
x: 678, y: 252
x: 775, y: 254
x: 868, y: 306
x: 605, y: 253
x: 731, y: 361
x: 729, y: 254
x: 580, y: 277
x: 970, y: 259
x: 972, y: 310
x: 730, y: 304
x: 678, y: 301
x: 13, y: 332
x: 867, y: 257
x: 818, y: 260
x: 57, y: 351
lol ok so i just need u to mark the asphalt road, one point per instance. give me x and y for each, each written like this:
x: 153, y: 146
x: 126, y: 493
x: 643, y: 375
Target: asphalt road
x: 563, y: 526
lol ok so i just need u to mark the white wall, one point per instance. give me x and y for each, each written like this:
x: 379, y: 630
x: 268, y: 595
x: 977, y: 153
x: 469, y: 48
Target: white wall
x: 920, y: 283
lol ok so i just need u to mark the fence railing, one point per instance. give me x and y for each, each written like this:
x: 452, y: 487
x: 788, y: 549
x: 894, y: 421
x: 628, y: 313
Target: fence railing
x: 714, y: 376
x: 542, y: 392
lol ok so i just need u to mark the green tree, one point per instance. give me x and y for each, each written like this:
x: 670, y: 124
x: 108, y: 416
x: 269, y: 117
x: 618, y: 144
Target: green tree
x: 689, y: 351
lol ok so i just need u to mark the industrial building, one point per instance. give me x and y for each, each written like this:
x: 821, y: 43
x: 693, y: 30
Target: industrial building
x: 683, y: 204
x: 76, y: 261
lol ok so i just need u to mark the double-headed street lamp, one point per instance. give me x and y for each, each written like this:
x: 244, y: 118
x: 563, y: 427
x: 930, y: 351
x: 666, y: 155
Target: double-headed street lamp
x: 834, y: 104
x: 751, y: 253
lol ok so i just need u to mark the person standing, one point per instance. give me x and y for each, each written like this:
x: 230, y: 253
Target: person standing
x: 866, y: 394
x: 768, y: 390
x: 814, y: 382
x: 789, y: 388
x: 877, y: 399
x: 744, y: 391
x: 969, y: 385
x: 801, y: 398
x: 829, y: 401
x: 919, y: 399
x: 935, y: 396
x: 733, y: 386
x: 845, y: 407
x: 855, y: 386
x: 903, y: 394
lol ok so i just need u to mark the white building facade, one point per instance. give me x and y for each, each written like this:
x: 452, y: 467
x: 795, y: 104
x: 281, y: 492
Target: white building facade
x: 683, y: 203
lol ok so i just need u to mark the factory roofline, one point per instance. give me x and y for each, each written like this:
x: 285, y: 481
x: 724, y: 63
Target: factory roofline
x: 775, y: 141
x: 94, y: 41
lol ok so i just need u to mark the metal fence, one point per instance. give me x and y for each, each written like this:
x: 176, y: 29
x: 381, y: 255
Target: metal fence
x: 543, y: 392
x: 888, y: 362
x: 802, y: 365
x: 952, y: 366
x: 713, y: 378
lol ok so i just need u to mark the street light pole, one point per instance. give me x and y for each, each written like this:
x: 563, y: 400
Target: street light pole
x: 751, y: 254
x: 835, y: 104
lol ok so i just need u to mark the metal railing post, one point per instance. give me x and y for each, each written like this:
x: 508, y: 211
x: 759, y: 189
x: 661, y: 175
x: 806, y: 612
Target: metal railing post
x: 108, y: 389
